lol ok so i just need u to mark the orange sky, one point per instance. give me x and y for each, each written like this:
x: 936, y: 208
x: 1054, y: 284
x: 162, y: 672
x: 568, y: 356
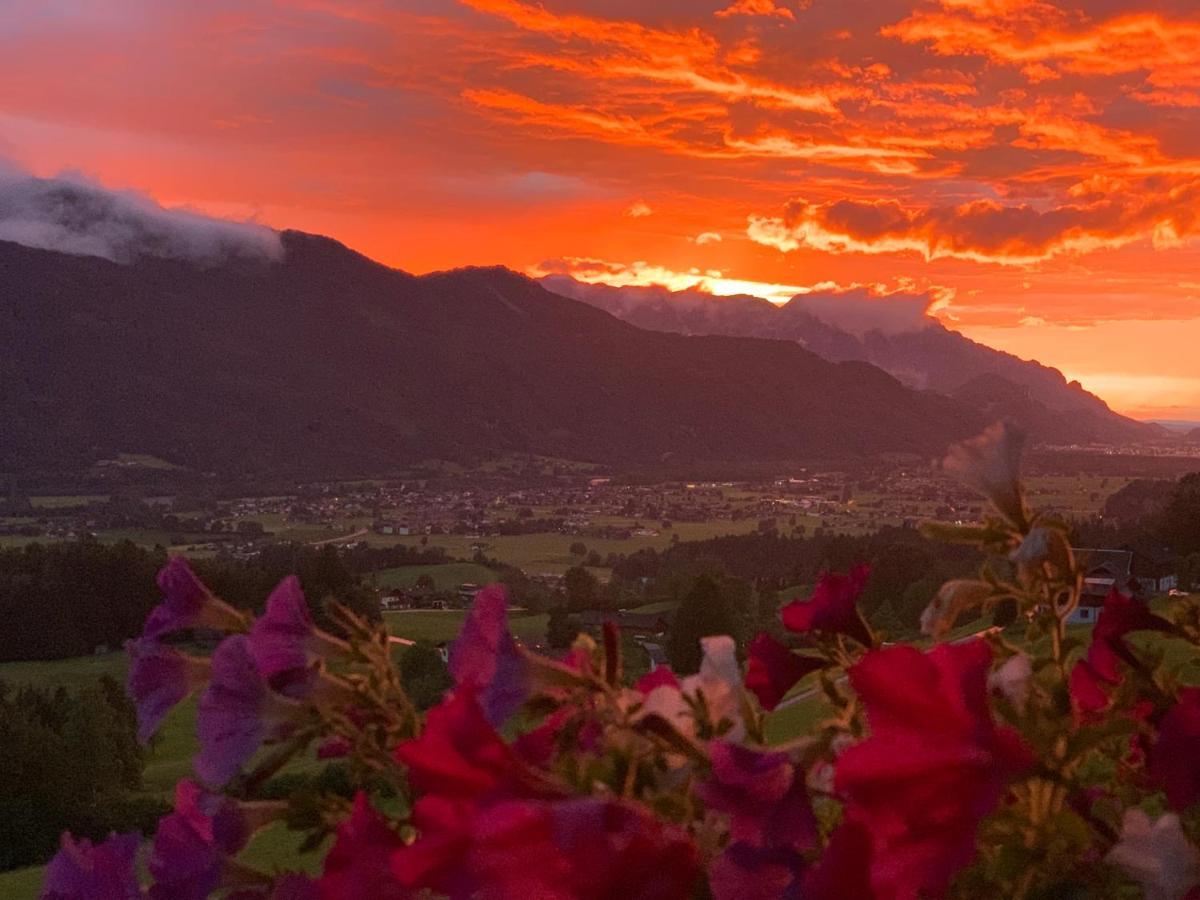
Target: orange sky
x: 1033, y: 166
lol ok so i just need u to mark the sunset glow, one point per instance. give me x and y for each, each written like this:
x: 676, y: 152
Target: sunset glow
x: 1033, y: 167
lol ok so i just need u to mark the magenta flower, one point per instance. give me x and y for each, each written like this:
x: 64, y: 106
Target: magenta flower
x: 662, y: 676
x: 845, y: 867
x: 187, y: 603
x: 934, y: 765
x: 832, y: 607
x: 747, y: 872
x: 238, y: 712
x: 159, y: 679
x: 1173, y: 758
x: 284, y: 641
x: 82, y: 870
x: 359, y: 863
x: 486, y: 657
x: 193, y: 844
x: 763, y: 795
x: 773, y: 670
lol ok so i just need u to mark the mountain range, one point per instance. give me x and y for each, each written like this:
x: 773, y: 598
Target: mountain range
x: 915, y: 348
x: 314, y: 360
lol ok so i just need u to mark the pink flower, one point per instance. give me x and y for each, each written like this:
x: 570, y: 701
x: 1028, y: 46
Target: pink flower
x: 187, y: 603
x: 238, y: 712
x: 1175, y: 755
x: 281, y: 640
x: 85, y: 871
x: 832, y: 608
x: 934, y: 765
x: 580, y: 849
x: 193, y: 844
x: 159, y: 679
x: 762, y: 793
x: 486, y: 657
x: 359, y: 863
x: 662, y: 676
x: 773, y: 670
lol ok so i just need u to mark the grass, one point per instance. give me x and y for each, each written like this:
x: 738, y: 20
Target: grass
x: 440, y: 625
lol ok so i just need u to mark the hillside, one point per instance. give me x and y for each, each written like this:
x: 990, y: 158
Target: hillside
x: 922, y: 353
x: 324, y: 363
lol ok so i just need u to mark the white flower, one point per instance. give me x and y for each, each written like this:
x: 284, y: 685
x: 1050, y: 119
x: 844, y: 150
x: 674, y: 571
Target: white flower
x: 1157, y: 855
x: 991, y: 463
x: 1012, y: 679
x: 720, y: 680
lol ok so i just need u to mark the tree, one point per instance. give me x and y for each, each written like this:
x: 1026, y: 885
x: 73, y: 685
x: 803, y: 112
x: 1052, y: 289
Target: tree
x: 578, y: 548
x: 1179, y: 524
x: 706, y: 610
x: 425, y: 582
x: 583, y: 589
x: 425, y: 675
x: 561, y: 629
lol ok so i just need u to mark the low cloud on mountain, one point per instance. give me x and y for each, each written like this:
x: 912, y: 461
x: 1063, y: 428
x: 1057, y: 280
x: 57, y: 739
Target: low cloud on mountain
x: 72, y: 214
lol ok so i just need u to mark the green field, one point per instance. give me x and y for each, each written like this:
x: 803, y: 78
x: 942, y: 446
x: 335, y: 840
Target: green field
x: 445, y: 577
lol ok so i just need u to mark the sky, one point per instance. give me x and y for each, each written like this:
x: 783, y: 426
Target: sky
x: 1032, y: 167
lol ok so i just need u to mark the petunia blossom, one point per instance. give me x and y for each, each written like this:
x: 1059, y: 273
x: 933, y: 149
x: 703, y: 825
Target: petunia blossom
x: 187, y: 603
x: 1174, y: 756
x: 763, y: 794
x: 238, y: 712
x: 486, y: 657
x: 284, y: 641
x: 359, y: 865
x: 934, y: 765
x: 832, y: 608
x: 82, y: 870
x: 773, y: 670
x: 159, y: 679
x: 1158, y: 856
x: 193, y: 844
x: 991, y: 464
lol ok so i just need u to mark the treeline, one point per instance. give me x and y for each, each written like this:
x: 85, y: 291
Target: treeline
x: 75, y: 598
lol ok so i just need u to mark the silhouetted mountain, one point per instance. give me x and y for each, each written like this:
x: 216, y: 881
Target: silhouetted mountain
x: 326, y: 363
x: 918, y: 350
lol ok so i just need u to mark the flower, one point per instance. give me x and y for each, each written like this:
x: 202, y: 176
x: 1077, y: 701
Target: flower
x: 187, y: 603
x: 763, y: 794
x: 991, y: 463
x: 773, y: 670
x: 284, y: 641
x: 933, y: 766
x: 832, y: 607
x: 844, y: 869
x: 159, y: 679
x: 359, y: 863
x: 459, y: 754
x: 718, y: 685
x: 1120, y: 616
x: 662, y: 676
x: 82, y: 870
x: 1013, y: 681
x: 1157, y: 855
x: 194, y: 844
x: 1173, y: 758
x: 238, y: 712
x: 486, y: 657
x: 588, y: 848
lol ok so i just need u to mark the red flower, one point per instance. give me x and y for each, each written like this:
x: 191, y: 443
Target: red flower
x: 1173, y: 759
x: 773, y: 670
x: 1120, y: 616
x: 459, y: 754
x: 662, y: 676
x: 359, y: 863
x: 832, y: 607
x: 934, y: 765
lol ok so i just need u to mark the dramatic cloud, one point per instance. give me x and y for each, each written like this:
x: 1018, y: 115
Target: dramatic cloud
x: 985, y: 230
x: 70, y: 214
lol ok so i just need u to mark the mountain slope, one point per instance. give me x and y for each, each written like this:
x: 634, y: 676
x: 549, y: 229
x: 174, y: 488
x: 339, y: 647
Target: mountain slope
x: 925, y: 355
x: 326, y: 363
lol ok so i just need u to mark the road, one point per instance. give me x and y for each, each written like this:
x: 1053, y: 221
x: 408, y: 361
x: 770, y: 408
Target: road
x: 341, y: 539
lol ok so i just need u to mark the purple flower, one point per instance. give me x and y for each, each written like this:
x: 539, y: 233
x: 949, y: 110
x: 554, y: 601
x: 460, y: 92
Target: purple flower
x: 193, y: 843
x: 82, y: 870
x: 159, y: 679
x: 238, y: 712
x: 187, y: 603
x: 284, y: 641
x: 486, y: 657
x: 763, y: 794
